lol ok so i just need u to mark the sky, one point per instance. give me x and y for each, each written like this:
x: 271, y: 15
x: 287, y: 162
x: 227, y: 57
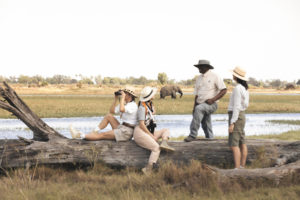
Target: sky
x: 119, y: 38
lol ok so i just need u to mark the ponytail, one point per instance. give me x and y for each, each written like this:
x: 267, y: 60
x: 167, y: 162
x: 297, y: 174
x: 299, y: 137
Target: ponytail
x: 242, y: 82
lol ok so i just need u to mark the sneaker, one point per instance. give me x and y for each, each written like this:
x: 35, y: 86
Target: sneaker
x: 189, y: 139
x: 165, y: 146
x: 74, y: 133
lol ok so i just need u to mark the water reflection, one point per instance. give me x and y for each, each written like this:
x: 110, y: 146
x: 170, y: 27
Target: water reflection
x: 178, y: 124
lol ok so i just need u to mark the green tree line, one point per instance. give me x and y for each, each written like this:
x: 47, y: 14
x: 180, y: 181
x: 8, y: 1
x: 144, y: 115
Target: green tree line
x: 162, y: 79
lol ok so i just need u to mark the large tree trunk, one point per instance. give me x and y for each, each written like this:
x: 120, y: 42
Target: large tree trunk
x: 48, y: 147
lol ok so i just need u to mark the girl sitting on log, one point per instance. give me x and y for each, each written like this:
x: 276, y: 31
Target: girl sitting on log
x: 120, y: 131
x: 144, y: 133
x: 238, y: 103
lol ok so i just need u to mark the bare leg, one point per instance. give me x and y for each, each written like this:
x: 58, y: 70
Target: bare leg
x: 236, y: 156
x: 109, y: 135
x: 244, y: 153
x: 109, y: 119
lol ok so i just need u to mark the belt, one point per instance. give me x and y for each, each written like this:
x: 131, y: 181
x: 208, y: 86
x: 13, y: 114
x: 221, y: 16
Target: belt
x: 128, y: 125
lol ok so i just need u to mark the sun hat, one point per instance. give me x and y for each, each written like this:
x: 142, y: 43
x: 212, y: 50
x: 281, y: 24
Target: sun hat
x: 130, y: 90
x: 147, y: 93
x: 203, y: 63
x: 239, y: 73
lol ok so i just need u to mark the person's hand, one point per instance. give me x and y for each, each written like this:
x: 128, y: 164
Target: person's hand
x: 209, y: 101
x: 123, y: 94
x: 154, y: 138
x: 230, y: 129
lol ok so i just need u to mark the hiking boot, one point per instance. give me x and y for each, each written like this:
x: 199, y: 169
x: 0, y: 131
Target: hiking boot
x: 74, y: 133
x: 165, y: 146
x: 147, y: 170
x: 189, y: 139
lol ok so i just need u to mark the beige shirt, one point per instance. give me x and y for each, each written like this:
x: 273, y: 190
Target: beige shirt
x: 207, y: 86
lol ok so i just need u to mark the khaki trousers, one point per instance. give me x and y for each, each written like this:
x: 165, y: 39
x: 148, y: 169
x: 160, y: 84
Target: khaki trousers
x: 146, y: 141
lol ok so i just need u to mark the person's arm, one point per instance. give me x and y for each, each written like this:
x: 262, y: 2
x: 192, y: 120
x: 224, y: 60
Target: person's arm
x: 113, y: 105
x: 217, y: 97
x: 122, y: 102
x: 195, y: 102
x: 236, y: 106
x: 144, y: 128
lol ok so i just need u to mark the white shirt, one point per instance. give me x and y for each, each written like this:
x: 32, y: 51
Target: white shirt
x: 239, y: 101
x: 207, y: 86
x: 130, y: 114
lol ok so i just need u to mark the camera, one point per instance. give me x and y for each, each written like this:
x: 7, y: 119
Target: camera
x: 118, y: 93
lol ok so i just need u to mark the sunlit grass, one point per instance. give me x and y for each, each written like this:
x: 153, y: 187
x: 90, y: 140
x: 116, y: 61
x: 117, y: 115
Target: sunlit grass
x: 98, y: 105
x: 290, y: 135
x: 101, y: 182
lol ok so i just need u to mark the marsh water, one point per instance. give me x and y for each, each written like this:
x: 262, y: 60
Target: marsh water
x: 256, y: 124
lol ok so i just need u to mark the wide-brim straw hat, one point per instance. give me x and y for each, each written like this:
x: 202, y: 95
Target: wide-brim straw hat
x: 147, y: 93
x: 202, y: 63
x: 130, y: 90
x: 239, y: 73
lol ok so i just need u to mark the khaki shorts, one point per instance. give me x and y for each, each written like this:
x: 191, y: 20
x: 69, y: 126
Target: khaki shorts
x: 238, y: 136
x: 123, y: 133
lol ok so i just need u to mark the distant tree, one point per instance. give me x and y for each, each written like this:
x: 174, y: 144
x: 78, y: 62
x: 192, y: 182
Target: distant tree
x: 298, y: 82
x: 162, y: 78
x: 106, y: 80
x: 24, y: 79
x: 276, y: 83
x: 98, y: 80
x: 140, y: 81
x: 58, y: 79
x: 73, y: 81
x: 254, y: 82
x: 38, y: 80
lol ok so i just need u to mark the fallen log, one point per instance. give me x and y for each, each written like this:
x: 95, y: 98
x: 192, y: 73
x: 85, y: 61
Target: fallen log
x: 48, y: 147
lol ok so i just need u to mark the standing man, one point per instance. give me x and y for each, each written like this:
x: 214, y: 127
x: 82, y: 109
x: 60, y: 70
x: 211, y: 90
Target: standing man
x: 209, y: 88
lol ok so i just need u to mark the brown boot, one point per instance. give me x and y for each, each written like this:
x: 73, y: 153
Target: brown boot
x: 165, y: 146
x: 148, y: 169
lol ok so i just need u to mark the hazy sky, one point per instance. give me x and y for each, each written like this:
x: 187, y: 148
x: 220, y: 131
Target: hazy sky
x: 123, y: 38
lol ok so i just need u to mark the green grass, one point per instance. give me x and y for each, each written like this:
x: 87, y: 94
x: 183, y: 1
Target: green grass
x: 291, y: 122
x: 97, y: 105
x: 290, y: 135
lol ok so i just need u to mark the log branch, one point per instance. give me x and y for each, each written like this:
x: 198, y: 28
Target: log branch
x: 14, y: 104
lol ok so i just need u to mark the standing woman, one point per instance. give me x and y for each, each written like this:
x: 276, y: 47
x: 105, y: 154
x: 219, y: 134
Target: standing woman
x: 238, y: 103
x: 144, y: 134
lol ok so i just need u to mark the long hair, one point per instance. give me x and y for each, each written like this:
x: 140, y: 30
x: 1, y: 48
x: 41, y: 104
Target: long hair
x: 242, y: 82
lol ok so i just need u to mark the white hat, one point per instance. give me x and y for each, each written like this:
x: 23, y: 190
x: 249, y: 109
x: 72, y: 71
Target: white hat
x: 239, y: 73
x: 147, y: 93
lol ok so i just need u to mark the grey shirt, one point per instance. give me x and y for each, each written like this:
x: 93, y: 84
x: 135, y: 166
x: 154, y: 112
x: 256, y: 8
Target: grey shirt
x: 141, y: 113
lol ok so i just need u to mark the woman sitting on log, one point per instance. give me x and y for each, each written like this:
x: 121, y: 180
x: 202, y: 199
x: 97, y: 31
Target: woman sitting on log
x: 120, y: 132
x: 238, y: 103
x: 145, y: 134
